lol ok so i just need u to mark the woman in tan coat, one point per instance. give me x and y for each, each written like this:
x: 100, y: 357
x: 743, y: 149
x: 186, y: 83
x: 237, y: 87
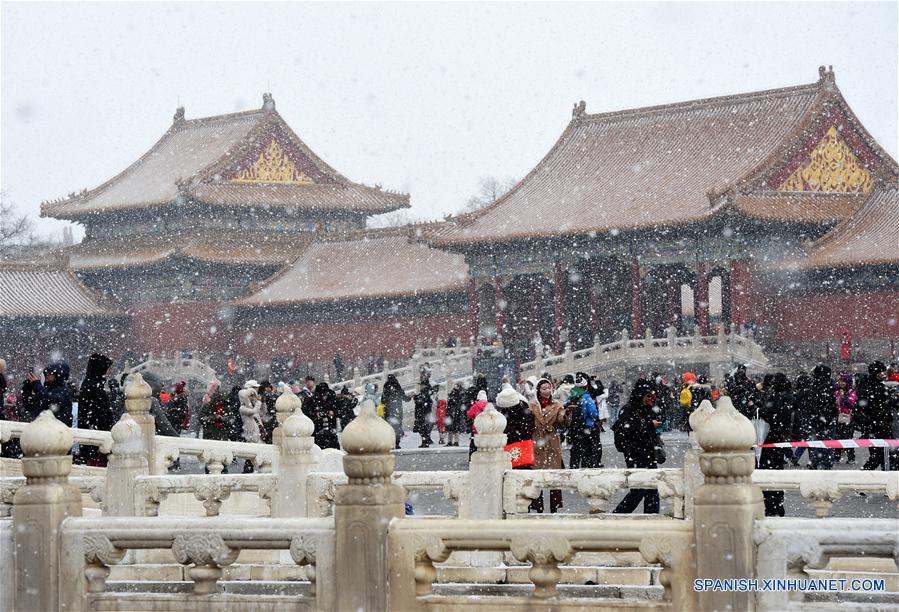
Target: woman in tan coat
x: 549, y: 417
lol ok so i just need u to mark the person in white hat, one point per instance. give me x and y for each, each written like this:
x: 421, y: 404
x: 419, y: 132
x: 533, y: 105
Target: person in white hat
x: 519, y: 418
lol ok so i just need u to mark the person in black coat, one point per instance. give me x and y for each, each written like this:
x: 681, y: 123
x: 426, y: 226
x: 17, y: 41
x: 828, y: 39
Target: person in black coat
x: 269, y: 415
x: 424, y: 411
x: 393, y: 397
x: 636, y: 438
x: 321, y: 407
x: 743, y: 393
x: 822, y: 410
x: 455, y: 414
x: 94, y: 408
x: 345, y: 405
x: 116, y: 398
x: 874, y: 405
x: 777, y: 412
x: 53, y: 394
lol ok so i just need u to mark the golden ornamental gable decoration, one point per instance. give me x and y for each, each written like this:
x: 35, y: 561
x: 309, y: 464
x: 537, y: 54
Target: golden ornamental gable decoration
x: 272, y: 166
x: 832, y: 167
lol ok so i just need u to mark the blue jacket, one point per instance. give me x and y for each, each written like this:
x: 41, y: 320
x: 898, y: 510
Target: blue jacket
x: 588, y: 410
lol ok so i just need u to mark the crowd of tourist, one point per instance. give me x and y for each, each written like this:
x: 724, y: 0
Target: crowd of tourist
x: 543, y: 414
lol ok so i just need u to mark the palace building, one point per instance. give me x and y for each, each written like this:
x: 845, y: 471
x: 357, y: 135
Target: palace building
x: 774, y: 210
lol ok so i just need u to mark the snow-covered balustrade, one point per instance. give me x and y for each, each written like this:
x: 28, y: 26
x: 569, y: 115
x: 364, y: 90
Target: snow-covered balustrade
x: 596, y: 486
x: 321, y: 487
x: 718, y: 351
x: 92, y: 486
x: 824, y: 487
x: 216, y: 455
x: 12, y: 430
x: 793, y: 548
x: 91, y: 546
x: 416, y: 546
x: 210, y: 490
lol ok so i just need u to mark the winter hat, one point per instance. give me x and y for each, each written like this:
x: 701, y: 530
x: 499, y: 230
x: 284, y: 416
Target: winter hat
x: 532, y: 380
x: 251, y: 384
x: 482, y: 396
x: 507, y: 397
x: 689, y: 378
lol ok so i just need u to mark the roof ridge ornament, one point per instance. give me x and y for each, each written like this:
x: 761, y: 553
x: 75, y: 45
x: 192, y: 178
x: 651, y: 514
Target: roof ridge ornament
x: 178, y: 119
x: 579, y: 109
x: 827, y: 77
x: 268, y: 102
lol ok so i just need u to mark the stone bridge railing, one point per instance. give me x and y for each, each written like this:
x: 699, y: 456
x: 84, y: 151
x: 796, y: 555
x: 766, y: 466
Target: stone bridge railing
x: 453, y: 363
x: 719, y: 351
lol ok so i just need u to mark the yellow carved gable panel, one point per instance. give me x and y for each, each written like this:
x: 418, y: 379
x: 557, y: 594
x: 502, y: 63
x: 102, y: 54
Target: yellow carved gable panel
x: 273, y: 166
x: 832, y: 167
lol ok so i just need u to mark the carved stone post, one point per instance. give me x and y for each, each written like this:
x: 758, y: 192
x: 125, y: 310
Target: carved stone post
x: 137, y: 404
x: 488, y: 465
x: 39, y: 508
x: 294, y: 460
x: 126, y: 462
x: 363, y: 509
x: 693, y: 478
x: 286, y: 404
x: 726, y: 506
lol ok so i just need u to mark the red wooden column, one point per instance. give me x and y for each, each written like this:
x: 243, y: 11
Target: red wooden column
x: 636, y: 301
x: 594, y: 307
x: 702, y: 299
x: 558, y: 308
x: 536, y: 292
x: 499, y: 305
x: 473, y: 308
x: 736, y: 295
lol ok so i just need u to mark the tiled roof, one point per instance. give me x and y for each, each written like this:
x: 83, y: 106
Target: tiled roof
x: 191, y: 161
x: 656, y: 166
x: 247, y: 248
x: 365, y: 264
x: 792, y: 206
x: 870, y: 237
x: 37, y: 291
x: 318, y: 197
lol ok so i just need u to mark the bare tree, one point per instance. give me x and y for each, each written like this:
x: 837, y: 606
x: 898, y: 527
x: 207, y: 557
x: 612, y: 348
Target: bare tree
x: 15, y: 229
x: 490, y: 189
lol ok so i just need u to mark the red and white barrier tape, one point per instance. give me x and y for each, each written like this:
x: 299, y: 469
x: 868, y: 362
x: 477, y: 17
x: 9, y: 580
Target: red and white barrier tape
x: 864, y: 443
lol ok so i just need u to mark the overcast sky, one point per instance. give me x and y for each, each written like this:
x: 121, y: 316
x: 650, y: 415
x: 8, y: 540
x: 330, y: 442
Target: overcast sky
x: 424, y: 98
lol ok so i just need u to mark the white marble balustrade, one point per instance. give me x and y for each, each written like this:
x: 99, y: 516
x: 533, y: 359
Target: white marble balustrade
x: 543, y: 544
x: 824, y: 487
x: 91, y: 546
x: 211, y: 490
x: 597, y: 486
x: 788, y: 547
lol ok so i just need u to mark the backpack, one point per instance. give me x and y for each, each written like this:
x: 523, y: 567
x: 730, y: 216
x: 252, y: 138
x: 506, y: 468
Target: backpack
x: 618, y: 437
x: 686, y: 398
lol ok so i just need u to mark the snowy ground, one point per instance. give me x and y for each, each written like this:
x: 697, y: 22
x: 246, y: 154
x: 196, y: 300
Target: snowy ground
x: 411, y: 458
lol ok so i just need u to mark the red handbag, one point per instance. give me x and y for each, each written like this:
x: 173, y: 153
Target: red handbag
x: 522, y: 453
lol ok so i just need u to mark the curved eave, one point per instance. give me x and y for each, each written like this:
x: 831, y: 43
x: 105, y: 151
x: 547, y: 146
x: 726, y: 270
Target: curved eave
x: 273, y: 305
